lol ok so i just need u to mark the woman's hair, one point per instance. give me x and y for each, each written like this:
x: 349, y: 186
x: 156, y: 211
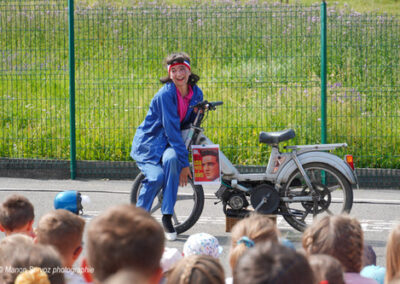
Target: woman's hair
x: 272, y: 263
x: 179, y: 57
x: 338, y: 236
x: 193, y: 269
x: 393, y: 255
x: 257, y: 228
x: 326, y: 267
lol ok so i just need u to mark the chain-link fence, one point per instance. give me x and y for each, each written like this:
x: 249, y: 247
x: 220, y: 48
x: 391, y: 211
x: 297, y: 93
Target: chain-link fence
x: 263, y: 61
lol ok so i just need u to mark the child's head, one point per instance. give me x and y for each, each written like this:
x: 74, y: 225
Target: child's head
x: 272, y: 263
x: 197, y: 269
x: 125, y: 237
x: 16, y: 215
x: 326, y: 268
x: 35, y: 275
x: 340, y: 236
x: 126, y: 276
x: 9, y: 244
x: 256, y: 228
x: 169, y: 258
x: 63, y: 230
x: 393, y: 255
x: 28, y: 256
x: 202, y: 243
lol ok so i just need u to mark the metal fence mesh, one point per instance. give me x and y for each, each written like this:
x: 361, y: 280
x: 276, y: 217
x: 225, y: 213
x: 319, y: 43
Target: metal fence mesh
x: 364, y: 85
x: 262, y: 61
x: 264, y: 75
x: 34, y: 80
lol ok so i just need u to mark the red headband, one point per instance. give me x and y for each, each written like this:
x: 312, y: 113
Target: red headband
x: 186, y: 63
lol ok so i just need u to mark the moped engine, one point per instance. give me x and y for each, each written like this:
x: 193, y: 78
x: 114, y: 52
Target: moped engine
x: 264, y: 199
x: 234, y: 198
x: 237, y: 201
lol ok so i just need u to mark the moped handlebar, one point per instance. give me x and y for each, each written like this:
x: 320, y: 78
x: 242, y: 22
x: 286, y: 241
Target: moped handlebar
x: 208, y: 105
x: 214, y: 104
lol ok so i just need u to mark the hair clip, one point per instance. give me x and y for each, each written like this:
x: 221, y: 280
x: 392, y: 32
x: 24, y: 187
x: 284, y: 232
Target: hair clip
x: 246, y: 241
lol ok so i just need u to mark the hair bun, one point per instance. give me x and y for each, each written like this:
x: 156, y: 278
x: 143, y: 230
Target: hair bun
x: 34, y: 275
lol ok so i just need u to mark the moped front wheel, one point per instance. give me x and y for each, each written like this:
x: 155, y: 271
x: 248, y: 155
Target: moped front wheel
x: 188, y: 207
x: 332, y: 195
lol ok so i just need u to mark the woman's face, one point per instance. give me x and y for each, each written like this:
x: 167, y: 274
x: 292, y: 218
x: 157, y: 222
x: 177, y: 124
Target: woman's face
x: 179, y: 74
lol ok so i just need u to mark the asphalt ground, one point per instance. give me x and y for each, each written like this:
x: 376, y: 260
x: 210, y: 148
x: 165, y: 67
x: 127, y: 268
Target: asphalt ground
x: 377, y: 210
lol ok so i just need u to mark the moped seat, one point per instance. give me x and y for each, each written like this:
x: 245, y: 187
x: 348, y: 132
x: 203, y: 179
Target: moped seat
x: 276, y: 137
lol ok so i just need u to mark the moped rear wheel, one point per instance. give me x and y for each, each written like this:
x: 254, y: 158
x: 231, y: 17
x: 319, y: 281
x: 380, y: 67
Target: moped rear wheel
x: 333, y: 195
x: 188, y: 207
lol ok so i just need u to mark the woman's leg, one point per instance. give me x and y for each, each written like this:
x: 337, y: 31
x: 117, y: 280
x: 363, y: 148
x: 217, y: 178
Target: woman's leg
x: 151, y: 184
x: 172, y: 171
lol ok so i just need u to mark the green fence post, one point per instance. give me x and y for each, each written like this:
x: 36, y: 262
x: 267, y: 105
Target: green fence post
x: 72, y: 87
x: 323, y: 80
x: 323, y: 72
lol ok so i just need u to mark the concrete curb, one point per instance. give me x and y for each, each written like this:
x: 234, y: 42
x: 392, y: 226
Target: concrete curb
x: 56, y: 169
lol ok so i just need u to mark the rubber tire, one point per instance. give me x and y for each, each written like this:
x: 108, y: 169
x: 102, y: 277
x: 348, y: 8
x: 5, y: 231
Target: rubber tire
x: 348, y: 192
x: 195, y: 213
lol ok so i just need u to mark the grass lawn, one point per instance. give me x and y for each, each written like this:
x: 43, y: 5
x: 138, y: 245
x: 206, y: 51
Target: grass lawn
x: 262, y: 61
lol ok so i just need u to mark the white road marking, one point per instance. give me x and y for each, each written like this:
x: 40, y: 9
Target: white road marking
x: 377, y: 225
x: 367, y: 225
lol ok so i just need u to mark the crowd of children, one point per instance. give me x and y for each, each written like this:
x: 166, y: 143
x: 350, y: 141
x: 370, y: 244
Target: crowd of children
x: 125, y: 244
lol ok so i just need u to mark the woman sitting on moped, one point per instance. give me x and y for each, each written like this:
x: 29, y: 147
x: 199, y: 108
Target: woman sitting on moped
x: 158, y: 147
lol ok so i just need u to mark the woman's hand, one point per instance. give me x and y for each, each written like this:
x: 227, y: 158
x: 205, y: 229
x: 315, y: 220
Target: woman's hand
x: 183, y: 178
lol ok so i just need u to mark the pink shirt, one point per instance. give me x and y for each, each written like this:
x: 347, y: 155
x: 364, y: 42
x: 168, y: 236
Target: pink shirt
x: 183, y: 103
x: 356, y: 278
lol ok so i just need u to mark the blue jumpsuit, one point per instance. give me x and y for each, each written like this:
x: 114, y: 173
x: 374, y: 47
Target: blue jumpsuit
x: 159, y: 149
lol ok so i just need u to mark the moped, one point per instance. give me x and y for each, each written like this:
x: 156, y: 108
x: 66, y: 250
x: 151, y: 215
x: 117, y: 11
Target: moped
x: 299, y: 184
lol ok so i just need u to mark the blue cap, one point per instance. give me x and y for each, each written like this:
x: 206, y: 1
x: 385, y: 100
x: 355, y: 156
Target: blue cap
x: 69, y: 200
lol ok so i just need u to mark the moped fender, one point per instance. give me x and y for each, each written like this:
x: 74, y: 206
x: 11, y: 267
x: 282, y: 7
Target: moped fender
x: 317, y: 157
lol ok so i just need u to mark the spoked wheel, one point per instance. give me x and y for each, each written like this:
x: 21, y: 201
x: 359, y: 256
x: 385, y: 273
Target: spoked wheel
x: 332, y: 195
x: 188, y: 207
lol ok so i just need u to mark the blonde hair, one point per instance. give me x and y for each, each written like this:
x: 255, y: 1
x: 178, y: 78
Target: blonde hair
x: 393, y: 255
x: 257, y: 228
x: 340, y: 236
x: 194, y: 269
x: 326, y: 267
x: 395, y: 281
x: 34, y: 275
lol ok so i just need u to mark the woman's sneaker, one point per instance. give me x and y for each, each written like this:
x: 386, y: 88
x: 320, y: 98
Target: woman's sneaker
x: 171, y: 236
x: 170, y: 233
